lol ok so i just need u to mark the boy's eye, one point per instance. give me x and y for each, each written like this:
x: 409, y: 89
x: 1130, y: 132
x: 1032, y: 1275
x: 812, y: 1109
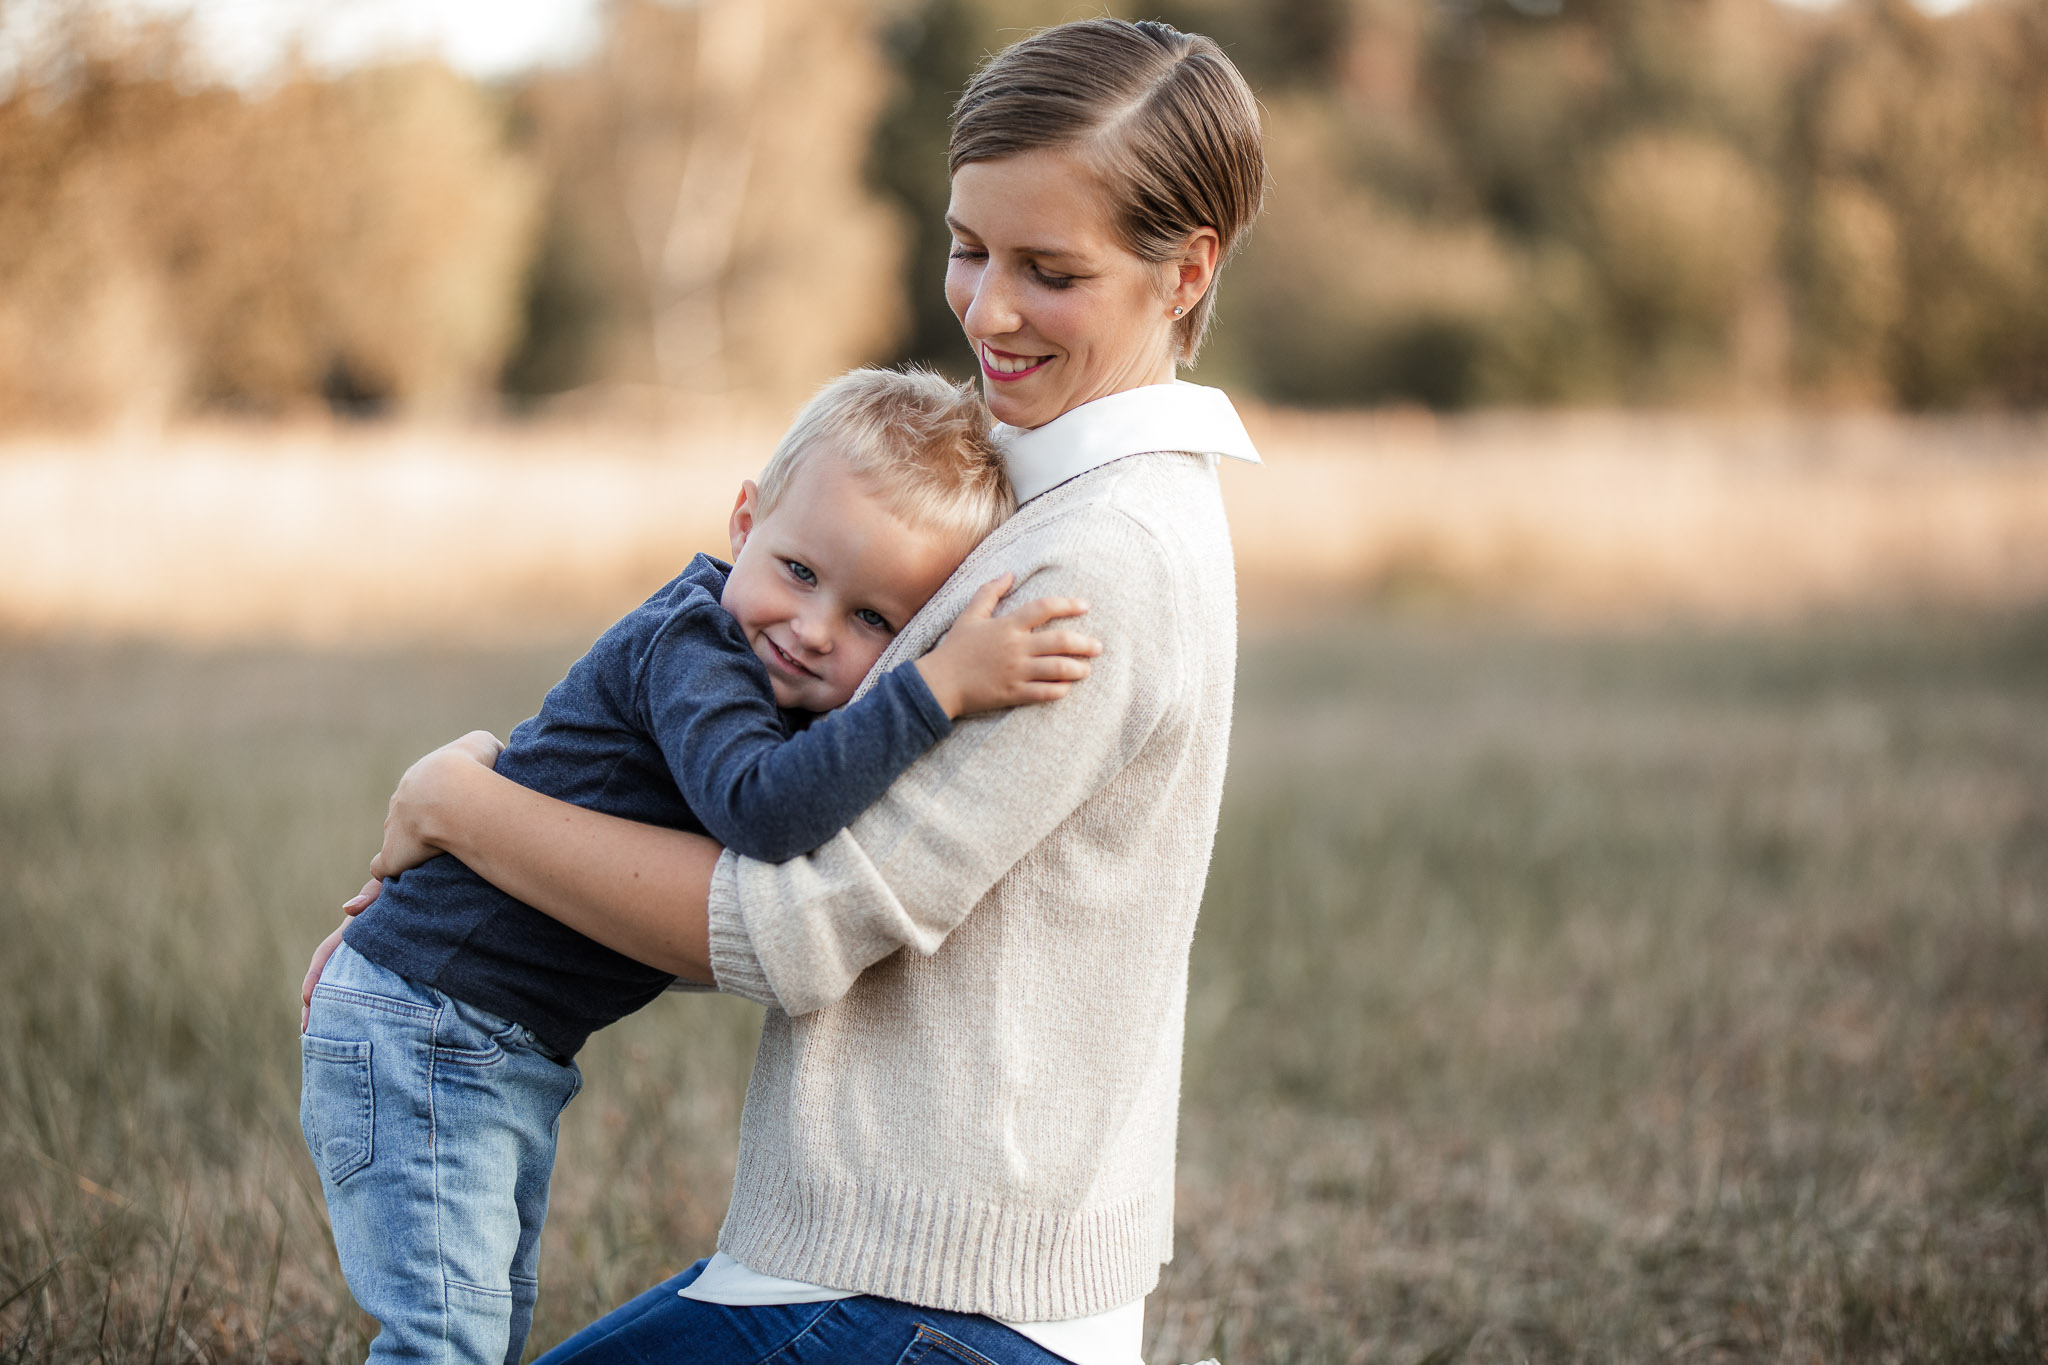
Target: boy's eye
x: 801, y: 572
x: 868, y: 616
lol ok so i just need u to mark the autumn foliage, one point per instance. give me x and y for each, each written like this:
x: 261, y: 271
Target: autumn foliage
x: 1692, y: 202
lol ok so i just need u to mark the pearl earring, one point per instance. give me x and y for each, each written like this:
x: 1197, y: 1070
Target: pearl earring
x: 1178, y: 310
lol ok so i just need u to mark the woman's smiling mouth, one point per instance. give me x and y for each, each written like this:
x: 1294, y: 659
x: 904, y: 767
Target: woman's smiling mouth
x: 1004, y: 367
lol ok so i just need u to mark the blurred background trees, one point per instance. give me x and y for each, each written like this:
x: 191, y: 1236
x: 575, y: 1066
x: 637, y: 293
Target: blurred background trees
x: 357, y: 241
x: 1695, y: 202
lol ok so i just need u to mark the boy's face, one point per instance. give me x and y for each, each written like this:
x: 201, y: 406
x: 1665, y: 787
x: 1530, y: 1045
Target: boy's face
x: 821, y: 584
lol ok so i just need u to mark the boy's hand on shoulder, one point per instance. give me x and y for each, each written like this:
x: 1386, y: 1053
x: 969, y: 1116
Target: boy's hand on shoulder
x: 987, y: 662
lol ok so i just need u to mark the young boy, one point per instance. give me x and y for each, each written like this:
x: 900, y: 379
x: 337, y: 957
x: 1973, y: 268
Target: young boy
x: 438, y: 1047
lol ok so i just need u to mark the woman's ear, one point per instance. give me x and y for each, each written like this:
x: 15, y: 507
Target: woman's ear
x: 742, y: 524
x: 1194, y: 269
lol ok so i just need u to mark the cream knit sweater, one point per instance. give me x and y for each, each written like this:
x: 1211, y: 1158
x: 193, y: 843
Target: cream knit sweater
x: 969, y: 1074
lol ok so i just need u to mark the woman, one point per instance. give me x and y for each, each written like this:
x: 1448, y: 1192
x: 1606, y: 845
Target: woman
x: 965, y: 1150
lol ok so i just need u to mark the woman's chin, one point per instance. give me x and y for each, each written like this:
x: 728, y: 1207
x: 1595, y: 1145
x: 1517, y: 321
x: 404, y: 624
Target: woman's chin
x: 1015, y: 409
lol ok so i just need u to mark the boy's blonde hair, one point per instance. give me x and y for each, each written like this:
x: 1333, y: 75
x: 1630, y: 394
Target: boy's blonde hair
x: 922, y: 440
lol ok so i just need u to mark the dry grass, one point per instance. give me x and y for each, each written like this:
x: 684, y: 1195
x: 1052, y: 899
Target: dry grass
x: 381, y: 534
x: 1559, y: 997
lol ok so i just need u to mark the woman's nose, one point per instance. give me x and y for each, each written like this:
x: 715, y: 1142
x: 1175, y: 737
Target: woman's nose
x: 992, y: 312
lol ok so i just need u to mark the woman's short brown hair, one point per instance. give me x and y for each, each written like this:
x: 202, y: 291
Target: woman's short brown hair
x: 1163, y: 116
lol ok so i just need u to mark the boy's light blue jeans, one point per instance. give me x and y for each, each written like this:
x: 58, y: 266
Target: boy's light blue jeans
x: 433, y: 1127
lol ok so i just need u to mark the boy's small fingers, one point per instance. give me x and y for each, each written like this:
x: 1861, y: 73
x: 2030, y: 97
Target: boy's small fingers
x: 1036, y: 613
x: 1058, y: 668
x: 1065, y: 642
x: 983, y: 603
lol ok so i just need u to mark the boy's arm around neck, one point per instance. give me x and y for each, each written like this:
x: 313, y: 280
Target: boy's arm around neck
x: 765, y: 794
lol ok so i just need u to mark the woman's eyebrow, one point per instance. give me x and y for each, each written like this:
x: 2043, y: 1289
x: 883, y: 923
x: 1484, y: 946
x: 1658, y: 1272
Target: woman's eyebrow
x: 963, y: 230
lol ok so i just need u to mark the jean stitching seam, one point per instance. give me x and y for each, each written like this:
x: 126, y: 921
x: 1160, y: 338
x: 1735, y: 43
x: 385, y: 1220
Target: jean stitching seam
x: 454, y: 1283
x: 809, y: 1327
x: 932, y: 1336
x: 403, y: 1008
x: 335, y: 1049
x: 434, y: 1175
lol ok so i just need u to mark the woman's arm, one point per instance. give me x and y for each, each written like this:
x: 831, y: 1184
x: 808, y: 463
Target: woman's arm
x: 903, y: 876
x: 639, y: 889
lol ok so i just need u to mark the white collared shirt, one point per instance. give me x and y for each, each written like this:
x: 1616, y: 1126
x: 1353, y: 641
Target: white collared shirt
x: 1177, y: 416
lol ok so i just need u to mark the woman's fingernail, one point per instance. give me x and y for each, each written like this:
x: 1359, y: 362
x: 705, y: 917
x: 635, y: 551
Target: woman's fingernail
x: 355, y: 902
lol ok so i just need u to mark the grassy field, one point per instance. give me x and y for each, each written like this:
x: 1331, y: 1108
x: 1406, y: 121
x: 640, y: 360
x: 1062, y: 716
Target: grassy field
x: 1561, y: 996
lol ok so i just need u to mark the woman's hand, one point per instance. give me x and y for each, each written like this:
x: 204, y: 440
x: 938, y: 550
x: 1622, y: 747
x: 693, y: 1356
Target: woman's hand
x: 423, y: 794
x: 320, y: 956
x: 407, y: 842
x: 987, y: 662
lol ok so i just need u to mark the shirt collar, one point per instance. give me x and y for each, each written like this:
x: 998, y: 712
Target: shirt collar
x: 1177, y: 416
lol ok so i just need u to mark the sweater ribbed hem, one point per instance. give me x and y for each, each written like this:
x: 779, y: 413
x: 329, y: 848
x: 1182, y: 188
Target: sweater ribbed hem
x: 938, y: 1249
x: 733, y: 964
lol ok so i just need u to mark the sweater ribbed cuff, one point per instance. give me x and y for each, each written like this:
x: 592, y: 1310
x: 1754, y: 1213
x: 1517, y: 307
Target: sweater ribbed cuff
x: 733, y: 964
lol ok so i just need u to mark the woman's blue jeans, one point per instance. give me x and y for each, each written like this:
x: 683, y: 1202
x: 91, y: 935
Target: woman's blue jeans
x: 660, y: 1326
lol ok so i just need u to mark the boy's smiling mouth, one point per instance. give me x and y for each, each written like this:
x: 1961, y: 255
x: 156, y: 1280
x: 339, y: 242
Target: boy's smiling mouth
x: 786, y: 659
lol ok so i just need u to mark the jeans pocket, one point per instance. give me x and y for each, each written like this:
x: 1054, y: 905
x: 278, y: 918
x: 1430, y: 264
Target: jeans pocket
x: 465, y: 1035
x: 337, y: 1105
x: 930, y: 1344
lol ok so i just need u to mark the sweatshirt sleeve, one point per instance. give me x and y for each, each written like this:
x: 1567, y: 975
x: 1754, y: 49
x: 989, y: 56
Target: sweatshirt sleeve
x: 758, y: 790
x: 908, y: 871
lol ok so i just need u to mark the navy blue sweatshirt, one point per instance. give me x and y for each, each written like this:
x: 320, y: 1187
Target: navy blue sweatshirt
x: 668, y: 720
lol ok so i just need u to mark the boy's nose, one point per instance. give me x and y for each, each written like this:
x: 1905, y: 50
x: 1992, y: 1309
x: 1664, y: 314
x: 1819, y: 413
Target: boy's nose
x: 811, y: 633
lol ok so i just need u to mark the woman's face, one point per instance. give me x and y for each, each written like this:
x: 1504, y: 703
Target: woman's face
x: 1058, y: 310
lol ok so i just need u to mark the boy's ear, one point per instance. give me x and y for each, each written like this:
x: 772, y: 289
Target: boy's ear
x: 742, y: 524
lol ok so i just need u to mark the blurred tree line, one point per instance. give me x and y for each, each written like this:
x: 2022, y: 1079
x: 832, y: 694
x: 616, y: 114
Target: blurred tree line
x: 1473, y: 202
